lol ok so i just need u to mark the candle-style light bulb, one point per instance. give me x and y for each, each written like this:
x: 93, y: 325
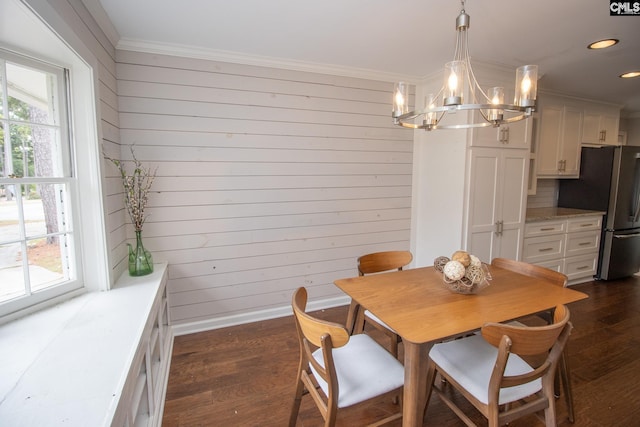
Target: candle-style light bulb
x: 526, y: 85
x: 430, y: 104
x: 496, y: 97
x: 454, y: 74
x: 400, y: 99
x: 453, y: 82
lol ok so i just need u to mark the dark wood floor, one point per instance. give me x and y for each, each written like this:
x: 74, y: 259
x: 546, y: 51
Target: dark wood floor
x: 244, y: 375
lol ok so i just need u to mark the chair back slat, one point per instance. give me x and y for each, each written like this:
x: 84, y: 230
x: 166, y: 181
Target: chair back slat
x: 379, y: 262
x: 527, y: 340
x: 314, y: 329
x: 531, y: 270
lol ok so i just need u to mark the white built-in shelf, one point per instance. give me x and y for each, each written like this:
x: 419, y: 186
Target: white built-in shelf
x: 84, y: 362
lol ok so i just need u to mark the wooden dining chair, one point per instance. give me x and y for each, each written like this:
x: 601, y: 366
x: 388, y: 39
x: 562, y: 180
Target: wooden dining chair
x: 558, y: 279
x: 340, y: 370
x: 373, y: 263
x: 490, y: 371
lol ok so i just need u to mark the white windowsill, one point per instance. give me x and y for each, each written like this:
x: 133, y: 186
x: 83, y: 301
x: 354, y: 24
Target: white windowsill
x: 67, y: 365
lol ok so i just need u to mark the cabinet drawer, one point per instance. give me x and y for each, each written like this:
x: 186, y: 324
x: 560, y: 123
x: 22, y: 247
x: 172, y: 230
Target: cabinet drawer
x: 585, y: 223
x: 543, y: 248
x: 555, y: 265
x: 581, y: 266
x: 586, y: 242
x: 544, y: 228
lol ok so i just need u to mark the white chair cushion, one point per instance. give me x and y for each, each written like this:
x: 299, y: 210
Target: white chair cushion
x: 364, y: 370
x: 376, y: 319
x: 470, y: 362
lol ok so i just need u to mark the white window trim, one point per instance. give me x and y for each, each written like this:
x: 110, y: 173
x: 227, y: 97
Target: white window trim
x: 25, y: 32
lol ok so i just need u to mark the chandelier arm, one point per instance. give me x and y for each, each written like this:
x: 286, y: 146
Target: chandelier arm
x: 473, y: 82
x: 439, y: 118
x: 485, y: 116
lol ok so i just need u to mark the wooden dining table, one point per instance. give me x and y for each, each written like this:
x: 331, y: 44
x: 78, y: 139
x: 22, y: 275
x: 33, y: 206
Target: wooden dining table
x: 418, y: 306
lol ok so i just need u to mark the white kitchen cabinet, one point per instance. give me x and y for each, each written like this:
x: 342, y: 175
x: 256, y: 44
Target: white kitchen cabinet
x: 532, y: 186
x: 559, y: 136
x: 600, y: 125
x: 498, y: 181
x: 512, y: 135
x: 569, y: 246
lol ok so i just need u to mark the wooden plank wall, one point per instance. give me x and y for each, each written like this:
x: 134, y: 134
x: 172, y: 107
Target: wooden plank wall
x: 267, y: 179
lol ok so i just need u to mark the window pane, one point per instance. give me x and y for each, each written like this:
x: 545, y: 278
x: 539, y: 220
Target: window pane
x: 29, y: 94
x: 9, y: 220
x: 48, y: 240
x: 1, y: 96
x: 34, y: 151
x: 45, y: 257
x: 11, y: 273
x: 43, y: 211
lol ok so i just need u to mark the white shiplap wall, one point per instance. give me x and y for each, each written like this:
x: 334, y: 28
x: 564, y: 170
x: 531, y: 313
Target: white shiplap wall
x: 268, y: 179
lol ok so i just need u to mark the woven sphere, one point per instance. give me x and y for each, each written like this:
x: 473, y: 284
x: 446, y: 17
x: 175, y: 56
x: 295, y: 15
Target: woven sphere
x: 475, y: 261
x: 440, y: 262
x: 462, y: 257
x: 474, y: 274
x: 454, y: 270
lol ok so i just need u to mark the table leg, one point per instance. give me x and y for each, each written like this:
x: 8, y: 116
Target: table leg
x: 415, y: 383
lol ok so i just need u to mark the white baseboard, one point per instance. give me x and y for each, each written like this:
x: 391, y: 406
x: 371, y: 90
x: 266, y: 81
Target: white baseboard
x: 254, y: 316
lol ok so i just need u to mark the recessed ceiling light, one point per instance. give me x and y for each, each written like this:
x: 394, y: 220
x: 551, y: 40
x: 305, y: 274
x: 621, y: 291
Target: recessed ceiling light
x: 630, y: 75
x: 602, y: 44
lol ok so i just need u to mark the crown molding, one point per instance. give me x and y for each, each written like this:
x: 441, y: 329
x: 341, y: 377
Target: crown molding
x: 102, y: 19
x: 257, y: 60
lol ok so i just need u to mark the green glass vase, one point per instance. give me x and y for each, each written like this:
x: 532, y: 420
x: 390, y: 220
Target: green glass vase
x: 140, y: 259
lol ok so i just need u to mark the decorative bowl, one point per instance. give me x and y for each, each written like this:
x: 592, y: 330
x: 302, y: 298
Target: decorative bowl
x: 463, y: 273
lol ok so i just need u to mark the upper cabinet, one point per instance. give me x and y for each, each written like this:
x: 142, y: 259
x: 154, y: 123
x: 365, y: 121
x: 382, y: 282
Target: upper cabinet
x: 600, y: 125
x: 559, y: 136
x: 512, y: 135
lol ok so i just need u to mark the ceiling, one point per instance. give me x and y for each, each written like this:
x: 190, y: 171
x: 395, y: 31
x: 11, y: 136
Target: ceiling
x: 412, y: 38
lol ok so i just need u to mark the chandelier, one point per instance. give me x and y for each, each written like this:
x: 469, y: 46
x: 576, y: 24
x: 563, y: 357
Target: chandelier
x: 457, y: 74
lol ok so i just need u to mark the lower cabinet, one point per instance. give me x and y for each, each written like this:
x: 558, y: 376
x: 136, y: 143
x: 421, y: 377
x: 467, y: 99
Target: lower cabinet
x: 142, y: 400
x: 569, y: 246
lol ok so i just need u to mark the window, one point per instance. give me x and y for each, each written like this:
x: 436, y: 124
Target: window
x: 38, y: 241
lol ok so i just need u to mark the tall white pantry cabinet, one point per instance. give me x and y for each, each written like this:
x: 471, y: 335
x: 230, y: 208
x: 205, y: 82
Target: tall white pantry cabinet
x: 470, y: 190
x: 497, y: 191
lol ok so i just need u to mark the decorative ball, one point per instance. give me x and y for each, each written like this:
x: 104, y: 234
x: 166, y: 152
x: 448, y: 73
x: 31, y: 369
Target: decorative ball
x: 440, y: 262
x: 462, y: 257
x: 474, y: 274
x: 453, y: 270
x: 475, y: 261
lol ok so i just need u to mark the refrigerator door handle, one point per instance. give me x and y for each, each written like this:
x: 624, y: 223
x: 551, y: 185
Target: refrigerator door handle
x: 635, y: 197
x: 626, y: 236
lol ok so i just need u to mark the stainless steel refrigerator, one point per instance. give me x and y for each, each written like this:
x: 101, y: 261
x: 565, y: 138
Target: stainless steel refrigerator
x: 610, y: 182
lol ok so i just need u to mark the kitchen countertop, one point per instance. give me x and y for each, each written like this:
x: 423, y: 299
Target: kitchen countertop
x: 550, y: 213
